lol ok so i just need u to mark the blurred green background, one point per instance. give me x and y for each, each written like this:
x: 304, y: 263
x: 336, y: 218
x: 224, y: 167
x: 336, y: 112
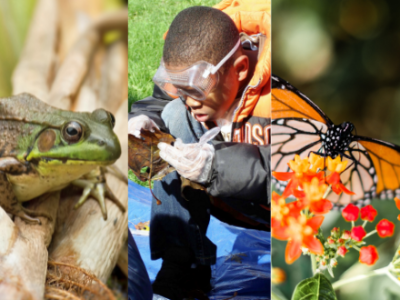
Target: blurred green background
x: 344, y: 55
x: 14, y: 22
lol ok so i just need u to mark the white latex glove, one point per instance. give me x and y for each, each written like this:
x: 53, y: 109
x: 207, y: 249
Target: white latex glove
x: 192, y: 161
x: 135, y: 124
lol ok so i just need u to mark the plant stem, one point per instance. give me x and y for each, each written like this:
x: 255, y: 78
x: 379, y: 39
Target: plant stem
x: 390, y: 275
x: 313, y: 264
x: 275, y: 296
x: 327, y: 191
x: 369, y: 233
x: 342, y: 282
x: 365, y: 223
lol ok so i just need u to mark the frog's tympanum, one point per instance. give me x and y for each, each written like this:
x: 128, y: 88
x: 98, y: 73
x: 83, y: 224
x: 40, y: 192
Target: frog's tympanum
x: 44, y: 149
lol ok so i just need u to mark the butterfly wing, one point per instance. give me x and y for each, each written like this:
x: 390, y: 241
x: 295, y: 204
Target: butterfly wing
x: 386, y: 164
x: 298, y: 126
x: 289, y: 102
x: 359, y: 177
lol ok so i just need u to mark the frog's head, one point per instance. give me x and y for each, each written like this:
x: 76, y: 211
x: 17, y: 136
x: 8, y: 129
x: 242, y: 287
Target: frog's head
x: 76, y: 137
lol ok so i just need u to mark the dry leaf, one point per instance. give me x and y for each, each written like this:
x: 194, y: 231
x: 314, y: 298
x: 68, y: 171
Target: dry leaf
x: 145, y: 153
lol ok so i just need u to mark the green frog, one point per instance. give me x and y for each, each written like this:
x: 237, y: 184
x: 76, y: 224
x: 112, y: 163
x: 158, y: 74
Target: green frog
x: 44, y: 149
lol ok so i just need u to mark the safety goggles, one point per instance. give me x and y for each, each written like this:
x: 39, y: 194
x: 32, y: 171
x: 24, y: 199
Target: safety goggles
x: 196, y: 81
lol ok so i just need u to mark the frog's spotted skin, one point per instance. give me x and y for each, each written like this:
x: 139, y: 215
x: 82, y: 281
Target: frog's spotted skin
x: 44, y: 149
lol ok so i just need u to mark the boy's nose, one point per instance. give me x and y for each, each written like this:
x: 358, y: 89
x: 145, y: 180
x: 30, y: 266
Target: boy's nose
x: 193, y: 103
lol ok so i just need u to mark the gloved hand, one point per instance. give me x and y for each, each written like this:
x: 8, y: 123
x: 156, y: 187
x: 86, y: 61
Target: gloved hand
x: 192, y: 161
x: 135, y: 124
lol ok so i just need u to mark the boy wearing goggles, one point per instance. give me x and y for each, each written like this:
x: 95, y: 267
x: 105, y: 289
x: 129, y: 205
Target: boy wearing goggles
x: 219, y: 84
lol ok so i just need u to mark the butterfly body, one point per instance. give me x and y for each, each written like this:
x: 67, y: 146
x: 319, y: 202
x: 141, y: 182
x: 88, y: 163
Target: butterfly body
x: 300, y: 127
x: 337, y: 139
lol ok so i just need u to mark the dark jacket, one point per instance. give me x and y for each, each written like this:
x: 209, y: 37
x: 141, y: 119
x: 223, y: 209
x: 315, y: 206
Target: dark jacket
x: 240, y: 170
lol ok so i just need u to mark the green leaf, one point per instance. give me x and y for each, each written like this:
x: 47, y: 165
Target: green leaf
x: 314, y: 288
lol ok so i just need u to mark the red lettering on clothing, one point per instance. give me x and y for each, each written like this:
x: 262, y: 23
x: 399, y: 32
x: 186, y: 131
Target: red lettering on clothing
x: 267, y: 135
x: 257, y: 134
x: 237, y: 136
x: 247, y: 136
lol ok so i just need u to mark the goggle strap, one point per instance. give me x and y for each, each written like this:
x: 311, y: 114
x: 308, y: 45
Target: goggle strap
x: 216, y: 68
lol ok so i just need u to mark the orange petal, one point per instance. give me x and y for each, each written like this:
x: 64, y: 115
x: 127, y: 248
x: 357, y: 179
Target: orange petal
x: 315, y: 222
x: 348, y: 192
x: 283, y: 176
x: 279, y: 232
x: 322, y: 206
x: 293, y: 251
x: 313, y: 244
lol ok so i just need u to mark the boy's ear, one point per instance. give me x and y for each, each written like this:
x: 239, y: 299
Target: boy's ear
x: 241, y: 65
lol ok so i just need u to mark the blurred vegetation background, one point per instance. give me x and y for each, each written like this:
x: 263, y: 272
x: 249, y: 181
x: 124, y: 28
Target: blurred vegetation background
x: 14, y: 22
x: 344, y: 55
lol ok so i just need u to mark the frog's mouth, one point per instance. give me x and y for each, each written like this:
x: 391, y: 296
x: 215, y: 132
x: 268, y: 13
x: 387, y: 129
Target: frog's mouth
x: 70, y: 161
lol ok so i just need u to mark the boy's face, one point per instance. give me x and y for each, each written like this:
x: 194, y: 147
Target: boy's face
x: 219, y: 100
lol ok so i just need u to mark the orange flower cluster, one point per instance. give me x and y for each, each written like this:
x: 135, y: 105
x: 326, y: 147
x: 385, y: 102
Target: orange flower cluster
x: 298, y: 222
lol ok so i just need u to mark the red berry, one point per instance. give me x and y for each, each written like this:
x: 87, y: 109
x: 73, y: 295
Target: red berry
x: 350, y: 213
x: 385, y: 228
x: 342, y: 250
x: 368, y: 255
x: 358, y: 233
x: 368, y: 213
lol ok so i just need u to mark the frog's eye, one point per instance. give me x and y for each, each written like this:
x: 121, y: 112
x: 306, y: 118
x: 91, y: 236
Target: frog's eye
x: 72, y: 132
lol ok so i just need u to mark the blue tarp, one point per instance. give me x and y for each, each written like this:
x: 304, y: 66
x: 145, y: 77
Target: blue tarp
x: 243, y: 255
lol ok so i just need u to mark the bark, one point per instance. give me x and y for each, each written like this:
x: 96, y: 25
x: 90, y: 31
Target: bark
x: 23, y: 250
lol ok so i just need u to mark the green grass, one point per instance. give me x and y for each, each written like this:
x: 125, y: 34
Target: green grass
x: 148, y: 21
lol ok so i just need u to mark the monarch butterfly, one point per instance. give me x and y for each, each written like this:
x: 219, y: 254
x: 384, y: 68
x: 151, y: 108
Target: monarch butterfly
x: 300, y: 127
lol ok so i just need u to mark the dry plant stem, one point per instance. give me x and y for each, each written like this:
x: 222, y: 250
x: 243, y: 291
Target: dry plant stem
x: 87, y: 97
x: 113, y: 88
x: 51, y: 293
x: 89, y: 275
x: 24, y: 264
x: 121, y: 127
x: 33, y: 72
x: 76, y: 63
x: 73, y: 70
x: 75, y: 18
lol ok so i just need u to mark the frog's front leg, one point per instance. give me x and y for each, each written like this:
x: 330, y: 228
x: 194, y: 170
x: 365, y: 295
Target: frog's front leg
x: 94, y: 184
x: 10, y: 203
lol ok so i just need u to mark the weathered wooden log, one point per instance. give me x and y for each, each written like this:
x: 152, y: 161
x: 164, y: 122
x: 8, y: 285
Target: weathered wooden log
x: 23, y: 250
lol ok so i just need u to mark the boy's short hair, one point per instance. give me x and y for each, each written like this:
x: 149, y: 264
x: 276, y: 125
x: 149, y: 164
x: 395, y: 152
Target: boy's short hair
x: 199, y: 33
